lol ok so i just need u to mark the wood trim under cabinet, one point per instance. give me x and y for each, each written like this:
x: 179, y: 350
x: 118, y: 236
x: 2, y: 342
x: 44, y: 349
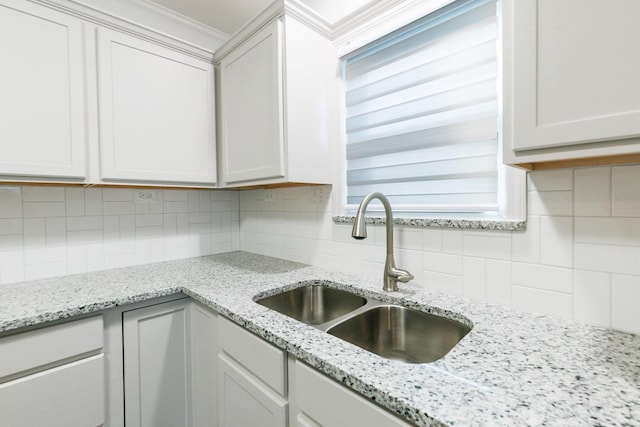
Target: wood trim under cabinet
x: 621, y: 159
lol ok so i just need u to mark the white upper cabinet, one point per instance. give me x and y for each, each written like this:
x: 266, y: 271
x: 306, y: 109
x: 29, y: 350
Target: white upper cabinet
x: 42, y: 125
x: 251, y: 108
x: 278, y: 103
x: 571, y: 79
x: 156, y: 110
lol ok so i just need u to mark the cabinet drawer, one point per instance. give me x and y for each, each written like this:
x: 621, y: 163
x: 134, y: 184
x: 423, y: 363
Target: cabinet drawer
x: 256, y: 355
x: 69, y: 395
x: 328, y: 403
x: 41, y: 347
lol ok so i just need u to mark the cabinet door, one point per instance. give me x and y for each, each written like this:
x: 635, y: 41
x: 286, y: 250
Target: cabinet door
x: 156, y: 370
x: 70, y: 395
x: 245, y: 400
x: 42, y: 92
x: 575, y: 68
x: 252, y: 108
x: 156, y: 112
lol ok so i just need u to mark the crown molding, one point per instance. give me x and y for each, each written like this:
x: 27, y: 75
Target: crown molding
x: 373, y: 21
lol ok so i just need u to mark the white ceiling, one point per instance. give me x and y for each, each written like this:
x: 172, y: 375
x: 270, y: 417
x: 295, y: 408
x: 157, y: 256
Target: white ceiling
x: 229, y: 15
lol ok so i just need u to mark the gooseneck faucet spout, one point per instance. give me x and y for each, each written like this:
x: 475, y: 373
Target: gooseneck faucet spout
x: 392, y: 275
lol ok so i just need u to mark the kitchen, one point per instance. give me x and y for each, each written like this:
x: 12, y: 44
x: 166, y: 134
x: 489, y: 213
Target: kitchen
x: 575, y: 261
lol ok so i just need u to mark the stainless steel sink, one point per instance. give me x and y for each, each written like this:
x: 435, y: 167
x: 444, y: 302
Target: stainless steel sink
x: 401, y: 333
x: 388, y: 330
x: 314, y: 304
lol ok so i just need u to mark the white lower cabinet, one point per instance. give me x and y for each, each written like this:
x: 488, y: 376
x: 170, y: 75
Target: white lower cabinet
x: 53, y: 376
x: 157, y: 372
x: 320, y: 401
x: 252, y: 380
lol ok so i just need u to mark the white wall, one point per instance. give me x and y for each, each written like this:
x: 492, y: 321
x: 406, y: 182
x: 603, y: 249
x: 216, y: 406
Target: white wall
x: 579, y: 257
x: 53, y: 231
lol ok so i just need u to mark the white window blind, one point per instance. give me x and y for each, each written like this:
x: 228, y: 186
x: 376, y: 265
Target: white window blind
x: 422, y: 113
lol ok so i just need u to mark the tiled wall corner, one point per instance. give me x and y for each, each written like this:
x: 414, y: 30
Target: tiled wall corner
x: 50, y: 231
x: 577, y: 259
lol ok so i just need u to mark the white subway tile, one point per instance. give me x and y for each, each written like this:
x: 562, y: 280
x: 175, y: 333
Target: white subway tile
x: 555, y: 203
x: 614, y: 231
x: 451, y: 241
x: 93, y: 201
x: 175, y: 207
x: 36, y: 256
x: 35, y: 232
x: 89, y: 236
x: 592, y: 192
x: 491, y: 245
x: 442, y: 263
x: 76, y: 259
x: 607, y: 258
x: 498, y: 280
x: 193, y: 201
x: 111, y: 228
x: 153, y: 220
x: 11, y: 226
x: 205, y: 200
x: 74, y: 199
x: 542, y: 277
x: 11, y: 242
x: 10, y: 202
x: 541, y: 301
x: 625, y: 194
x: 43, y: 209
x: 592, y: 297
x: 373, y: 253
x: 151, y: 232
x: 556, y: 241
x: 142, y: 208
x: 44, y: 270
x: 445, y: 283
x: 408, y: 238
x: 11, y: 266
x: 117, y: 195
x: 625, y: 297
x: 127, y: 227
x: 81, y: 223
x: 525, y: 245
x: 550, y: 180
x: 42, y: 194
x: 432, y: 239
x: 95, y: 257
x: 118, y: 208
x: 474, y: 278
x: 56, y: 231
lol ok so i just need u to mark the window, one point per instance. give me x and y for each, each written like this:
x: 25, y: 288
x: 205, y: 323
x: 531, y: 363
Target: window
x: 422, y: 116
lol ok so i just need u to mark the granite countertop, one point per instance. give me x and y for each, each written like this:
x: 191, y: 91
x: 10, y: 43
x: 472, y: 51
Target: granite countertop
x: 512, y: 368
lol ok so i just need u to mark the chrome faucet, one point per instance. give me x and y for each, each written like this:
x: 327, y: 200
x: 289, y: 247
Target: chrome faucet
x: 392, y: 275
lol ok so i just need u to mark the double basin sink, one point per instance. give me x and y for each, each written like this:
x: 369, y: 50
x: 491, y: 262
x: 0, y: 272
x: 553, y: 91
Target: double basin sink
x: 388, y: 330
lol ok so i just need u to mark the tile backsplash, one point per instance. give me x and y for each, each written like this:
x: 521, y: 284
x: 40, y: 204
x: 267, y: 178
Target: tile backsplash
x: 579, y: 257
x: 48, y: 231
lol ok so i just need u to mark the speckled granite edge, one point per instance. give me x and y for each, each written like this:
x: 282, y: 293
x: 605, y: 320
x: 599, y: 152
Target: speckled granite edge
x: 445, y: 223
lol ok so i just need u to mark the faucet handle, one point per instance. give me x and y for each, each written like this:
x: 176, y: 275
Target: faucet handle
x: 401, y: 275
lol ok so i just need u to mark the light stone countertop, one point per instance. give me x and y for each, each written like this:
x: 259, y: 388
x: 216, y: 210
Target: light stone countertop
x: 512, y: 368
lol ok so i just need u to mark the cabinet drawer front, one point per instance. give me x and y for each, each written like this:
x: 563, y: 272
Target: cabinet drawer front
x: 256, y: 355
x: 30, y: 350
x: 328, y: 403
x: 70, y: 395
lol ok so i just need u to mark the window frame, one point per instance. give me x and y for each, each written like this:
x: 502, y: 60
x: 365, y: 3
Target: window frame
x: 511, y: 181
